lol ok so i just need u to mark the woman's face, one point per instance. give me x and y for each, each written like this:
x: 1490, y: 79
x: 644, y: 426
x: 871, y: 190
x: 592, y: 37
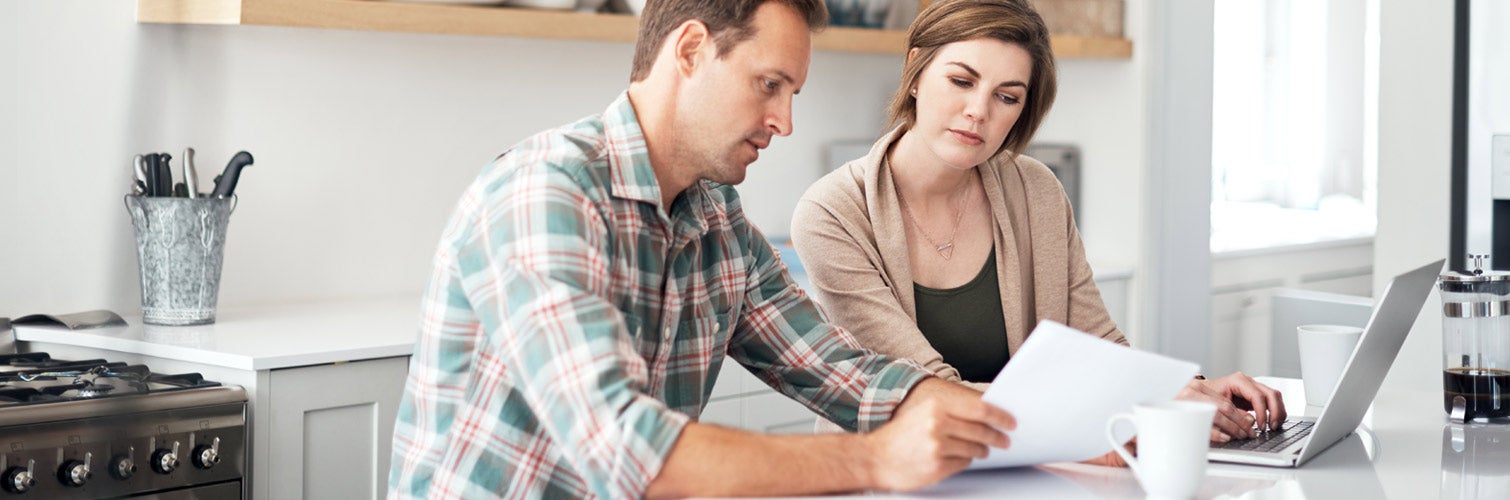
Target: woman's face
x: 968, y: 97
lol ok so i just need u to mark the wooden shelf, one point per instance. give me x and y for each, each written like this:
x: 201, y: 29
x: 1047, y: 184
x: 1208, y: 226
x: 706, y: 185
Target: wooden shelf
x: 376, y: 15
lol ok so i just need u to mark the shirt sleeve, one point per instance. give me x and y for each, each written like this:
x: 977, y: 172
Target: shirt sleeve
x: 535, y: 267
x: 785, y: 340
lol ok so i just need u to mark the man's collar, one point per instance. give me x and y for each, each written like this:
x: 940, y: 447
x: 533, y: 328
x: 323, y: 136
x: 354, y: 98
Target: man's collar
x: 631, y: 175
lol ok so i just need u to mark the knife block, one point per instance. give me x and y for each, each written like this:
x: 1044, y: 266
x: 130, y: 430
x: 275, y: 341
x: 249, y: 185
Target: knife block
x: 180, y: 246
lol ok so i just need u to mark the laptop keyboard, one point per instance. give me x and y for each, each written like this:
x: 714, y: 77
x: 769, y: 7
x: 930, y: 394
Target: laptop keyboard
x: 1289, y: 432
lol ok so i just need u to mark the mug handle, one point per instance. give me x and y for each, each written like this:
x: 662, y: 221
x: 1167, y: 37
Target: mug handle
x: 1116, y: 446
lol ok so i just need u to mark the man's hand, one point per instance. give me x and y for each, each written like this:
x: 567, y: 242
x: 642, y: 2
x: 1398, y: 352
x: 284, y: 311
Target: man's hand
x: 936, y: 431
x: 1233, y: 396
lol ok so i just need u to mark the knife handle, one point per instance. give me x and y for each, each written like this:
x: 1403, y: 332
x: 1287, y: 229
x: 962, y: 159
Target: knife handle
x: 164, y: 174
x: 150, y: 169
x: 225, y: 184
x: 139, y: 175
x: 191, y: 176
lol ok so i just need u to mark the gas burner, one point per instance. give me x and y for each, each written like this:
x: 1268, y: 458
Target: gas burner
x: 93, y: 390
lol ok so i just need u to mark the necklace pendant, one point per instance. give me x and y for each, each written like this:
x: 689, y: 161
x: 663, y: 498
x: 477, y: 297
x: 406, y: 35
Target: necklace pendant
x: 946, y: 250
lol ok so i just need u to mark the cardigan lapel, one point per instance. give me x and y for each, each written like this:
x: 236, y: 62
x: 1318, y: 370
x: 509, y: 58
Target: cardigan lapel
x: 886, y: 218
x: 1001, y: 184
x: 1047, y: 212
x: 1048, y: 244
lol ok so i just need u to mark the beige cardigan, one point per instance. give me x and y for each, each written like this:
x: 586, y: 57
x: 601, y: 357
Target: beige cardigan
x: 848, y: 231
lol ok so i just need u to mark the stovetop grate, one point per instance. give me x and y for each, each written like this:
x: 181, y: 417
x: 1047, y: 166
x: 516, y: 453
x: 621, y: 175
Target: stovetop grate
x: 35, y: 378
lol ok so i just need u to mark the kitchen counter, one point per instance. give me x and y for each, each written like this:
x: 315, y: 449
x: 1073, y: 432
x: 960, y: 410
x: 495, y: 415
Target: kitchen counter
x: 1405, y: 449
x: 262, y: 337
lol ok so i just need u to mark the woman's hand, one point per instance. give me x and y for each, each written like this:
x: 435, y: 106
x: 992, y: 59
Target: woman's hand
x: 1234, y: 395
x: 1112, y: 459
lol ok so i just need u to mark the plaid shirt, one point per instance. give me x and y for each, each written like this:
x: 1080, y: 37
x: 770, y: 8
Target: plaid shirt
x: 571, y: 328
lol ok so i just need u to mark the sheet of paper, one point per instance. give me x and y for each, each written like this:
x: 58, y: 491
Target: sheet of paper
x: 1063, y: 385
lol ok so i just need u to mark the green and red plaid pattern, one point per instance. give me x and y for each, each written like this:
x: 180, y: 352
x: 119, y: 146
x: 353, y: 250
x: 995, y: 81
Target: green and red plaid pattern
x: 571, y: 327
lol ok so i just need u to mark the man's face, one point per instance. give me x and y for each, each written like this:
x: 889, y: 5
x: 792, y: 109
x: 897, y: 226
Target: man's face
x: 735, y: 104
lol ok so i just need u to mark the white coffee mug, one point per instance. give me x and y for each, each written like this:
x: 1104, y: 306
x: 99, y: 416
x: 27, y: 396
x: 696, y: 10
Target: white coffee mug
x: 1173, y: 437
x: 1324, y: 352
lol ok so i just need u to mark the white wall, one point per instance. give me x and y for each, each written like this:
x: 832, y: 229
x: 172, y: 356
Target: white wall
x: 1415, y: 152
x: 363, y: 140
x: 1177, y: 256
x: 9, y: 133
x: 1102, y: 107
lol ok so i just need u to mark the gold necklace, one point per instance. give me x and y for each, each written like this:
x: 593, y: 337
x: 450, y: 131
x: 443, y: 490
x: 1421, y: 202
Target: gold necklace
x: 945, y: 250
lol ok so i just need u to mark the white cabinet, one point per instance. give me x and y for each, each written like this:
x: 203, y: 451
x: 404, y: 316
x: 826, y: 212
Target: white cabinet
x: 1242, y: 289
x: 330, y: 428
x: 744, y: 402
x: 1114, y: 287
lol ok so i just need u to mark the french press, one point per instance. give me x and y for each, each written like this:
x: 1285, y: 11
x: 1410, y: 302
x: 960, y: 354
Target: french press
x: 1476, y: 343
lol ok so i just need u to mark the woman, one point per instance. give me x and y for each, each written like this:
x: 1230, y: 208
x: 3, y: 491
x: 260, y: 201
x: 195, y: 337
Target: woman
x: 944, y: 245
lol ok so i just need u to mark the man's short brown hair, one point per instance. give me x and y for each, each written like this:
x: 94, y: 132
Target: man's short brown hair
x: 728, y: 22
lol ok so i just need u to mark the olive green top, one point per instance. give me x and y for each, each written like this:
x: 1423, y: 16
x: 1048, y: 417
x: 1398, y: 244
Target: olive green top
x: 965, y: 324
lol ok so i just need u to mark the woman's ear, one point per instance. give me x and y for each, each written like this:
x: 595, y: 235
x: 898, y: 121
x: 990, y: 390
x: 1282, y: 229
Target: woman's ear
x: 911, y: 53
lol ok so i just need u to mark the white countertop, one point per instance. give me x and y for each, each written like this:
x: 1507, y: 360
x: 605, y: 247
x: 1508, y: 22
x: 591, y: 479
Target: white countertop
x: 262, y: 337
x: 1405, y: 449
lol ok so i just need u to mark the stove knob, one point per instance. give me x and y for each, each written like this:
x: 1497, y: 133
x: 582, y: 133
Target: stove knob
x: 207, y: 456
x: 122, y: 467
x: 165, y: 461
x: 75, y: 473
x: 18, y: 480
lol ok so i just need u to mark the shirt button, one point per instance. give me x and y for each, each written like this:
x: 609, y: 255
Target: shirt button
x: 668, y: 331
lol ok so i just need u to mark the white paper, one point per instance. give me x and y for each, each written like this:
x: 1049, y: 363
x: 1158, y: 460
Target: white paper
x: 1063, y: 385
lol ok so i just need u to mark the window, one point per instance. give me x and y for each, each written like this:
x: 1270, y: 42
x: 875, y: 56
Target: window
x: 1288, y: 123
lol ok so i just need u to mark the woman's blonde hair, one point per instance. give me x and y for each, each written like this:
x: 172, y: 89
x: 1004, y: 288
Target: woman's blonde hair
x: 1011, y: 21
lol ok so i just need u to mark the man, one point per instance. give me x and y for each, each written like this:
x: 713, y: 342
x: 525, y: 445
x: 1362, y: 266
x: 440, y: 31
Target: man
x: 592, y: 280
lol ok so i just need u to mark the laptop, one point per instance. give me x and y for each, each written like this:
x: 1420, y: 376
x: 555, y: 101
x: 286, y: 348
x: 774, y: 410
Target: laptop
x: 1302, y: 438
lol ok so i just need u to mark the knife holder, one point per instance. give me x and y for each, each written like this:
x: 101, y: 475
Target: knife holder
x: 180, y: 246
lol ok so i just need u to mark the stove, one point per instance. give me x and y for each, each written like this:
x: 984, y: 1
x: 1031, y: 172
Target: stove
x: 100, y: 429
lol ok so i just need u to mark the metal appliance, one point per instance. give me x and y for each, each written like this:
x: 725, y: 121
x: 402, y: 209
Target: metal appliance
x: 1064, y: 161
x: 99, y: 429
x: 1476, y: 343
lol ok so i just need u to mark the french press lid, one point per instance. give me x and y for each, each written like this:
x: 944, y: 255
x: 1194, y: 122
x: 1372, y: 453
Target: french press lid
x: 1477, y: 281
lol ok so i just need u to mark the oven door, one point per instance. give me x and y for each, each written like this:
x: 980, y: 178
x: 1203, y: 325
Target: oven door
x: 219, y: 491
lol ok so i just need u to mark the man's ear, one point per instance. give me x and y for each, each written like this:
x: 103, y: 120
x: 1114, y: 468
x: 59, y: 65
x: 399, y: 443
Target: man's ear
x: 691, y: 41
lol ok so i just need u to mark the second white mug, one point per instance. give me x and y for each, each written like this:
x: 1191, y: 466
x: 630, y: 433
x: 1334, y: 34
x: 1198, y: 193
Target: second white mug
x: 1324, y: 353
x: 1173, y: 437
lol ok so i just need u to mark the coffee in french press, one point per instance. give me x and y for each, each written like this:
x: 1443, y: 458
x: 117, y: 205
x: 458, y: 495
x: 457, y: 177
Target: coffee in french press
x: 1476, y: 343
